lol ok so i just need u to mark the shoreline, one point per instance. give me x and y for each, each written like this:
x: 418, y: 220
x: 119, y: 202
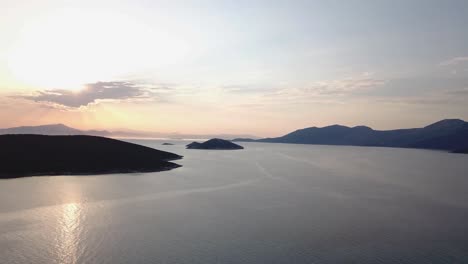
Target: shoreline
x: 96, y: 173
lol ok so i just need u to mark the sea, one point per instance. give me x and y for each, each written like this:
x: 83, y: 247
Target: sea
x: 268, y: 203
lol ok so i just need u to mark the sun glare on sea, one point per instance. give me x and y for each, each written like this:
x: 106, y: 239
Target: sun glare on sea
x: 68, y: 233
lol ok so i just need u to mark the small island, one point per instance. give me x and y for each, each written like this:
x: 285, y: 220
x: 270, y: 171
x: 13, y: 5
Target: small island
x: 167, y: 144
x: 215, y: 143
x: 39, y: 155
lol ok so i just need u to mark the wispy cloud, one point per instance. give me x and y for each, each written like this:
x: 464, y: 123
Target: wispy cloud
x: 454, y: 61
x: 345, y: 86
x: 94, y: 92
x: 245, y: 89
x: 450, y: 97
x: 331, y: 88
x: 336, y: 91
x: 459, y: 92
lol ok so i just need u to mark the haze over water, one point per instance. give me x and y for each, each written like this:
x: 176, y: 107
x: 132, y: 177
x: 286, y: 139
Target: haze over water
x: 269, y: 203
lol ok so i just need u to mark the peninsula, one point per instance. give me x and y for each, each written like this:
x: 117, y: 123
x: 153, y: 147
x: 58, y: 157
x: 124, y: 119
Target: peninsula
x: 39, y: 155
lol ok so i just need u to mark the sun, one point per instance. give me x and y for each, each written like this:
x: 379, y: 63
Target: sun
x: 42, y: 72
x: 55, y: 53
x: 70, y: 48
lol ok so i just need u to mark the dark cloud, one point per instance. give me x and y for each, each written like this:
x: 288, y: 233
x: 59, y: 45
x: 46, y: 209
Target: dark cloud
x: 91, y: 94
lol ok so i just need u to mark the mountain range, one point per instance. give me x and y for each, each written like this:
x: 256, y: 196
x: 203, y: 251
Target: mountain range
x: 61, y: 129
x: 447, y: 134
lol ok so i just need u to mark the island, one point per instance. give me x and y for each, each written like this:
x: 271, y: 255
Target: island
x: 39, y: 155
x: 167, y: 144
x: 215, y: 143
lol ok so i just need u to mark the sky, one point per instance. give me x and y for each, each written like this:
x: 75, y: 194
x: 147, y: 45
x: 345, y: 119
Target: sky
x: 263, y: 68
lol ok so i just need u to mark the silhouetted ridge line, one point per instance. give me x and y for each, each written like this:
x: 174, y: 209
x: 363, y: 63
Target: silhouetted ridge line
x: 447, y: 134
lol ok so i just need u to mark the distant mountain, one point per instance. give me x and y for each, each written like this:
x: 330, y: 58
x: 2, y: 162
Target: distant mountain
x: 55, y: 129
x: 206, y: 136
x: 61, y: 129
x: 448, y: 134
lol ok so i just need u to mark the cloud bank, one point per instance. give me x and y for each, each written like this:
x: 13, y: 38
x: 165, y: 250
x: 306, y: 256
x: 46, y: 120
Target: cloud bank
x: 118, y: 90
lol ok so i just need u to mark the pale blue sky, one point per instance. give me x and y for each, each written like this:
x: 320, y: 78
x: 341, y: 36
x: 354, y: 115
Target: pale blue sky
x: 280, y: 65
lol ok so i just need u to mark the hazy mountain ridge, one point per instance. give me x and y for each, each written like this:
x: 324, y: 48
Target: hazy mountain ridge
x: 61, y: 129
x: 52, y: 130
x: 447, y: 134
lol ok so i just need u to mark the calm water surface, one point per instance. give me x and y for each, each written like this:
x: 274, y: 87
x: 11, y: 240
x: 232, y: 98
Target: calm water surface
x: 269, y: 203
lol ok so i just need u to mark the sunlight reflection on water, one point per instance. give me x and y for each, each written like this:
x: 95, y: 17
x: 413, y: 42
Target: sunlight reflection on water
x: 68, y: 233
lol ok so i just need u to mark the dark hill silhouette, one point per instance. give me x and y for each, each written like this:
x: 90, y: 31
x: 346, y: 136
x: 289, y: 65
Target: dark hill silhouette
x: 448, y: 134
x: 28, y: 155
x: 214, y: 143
